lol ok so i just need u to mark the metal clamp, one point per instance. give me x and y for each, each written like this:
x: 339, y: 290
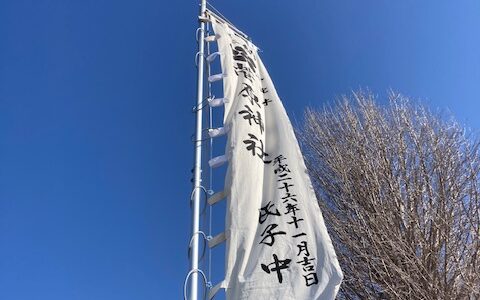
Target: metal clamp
x: 203, y: 19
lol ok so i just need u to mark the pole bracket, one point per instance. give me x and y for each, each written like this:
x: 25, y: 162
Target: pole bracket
x: 203, y: 19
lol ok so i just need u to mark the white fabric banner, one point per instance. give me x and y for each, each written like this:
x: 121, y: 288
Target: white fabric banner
x: 277, y: 243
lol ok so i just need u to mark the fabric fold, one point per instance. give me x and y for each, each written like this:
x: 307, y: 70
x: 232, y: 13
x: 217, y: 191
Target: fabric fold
x: 217, y: 197
x: 217, y: 161
x: 217, y: 132
x: 216, y: 77
x: 218, y: 239
x: 216, y: 102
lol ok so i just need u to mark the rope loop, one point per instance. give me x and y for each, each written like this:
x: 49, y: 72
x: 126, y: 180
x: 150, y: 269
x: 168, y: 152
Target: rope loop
x: 204, y: 137
x: 199, y: 29
x: 196, y: 57
x: 205, y: 282
x: 204, y: 104
x: 206, y: 193
x: 205, y: 240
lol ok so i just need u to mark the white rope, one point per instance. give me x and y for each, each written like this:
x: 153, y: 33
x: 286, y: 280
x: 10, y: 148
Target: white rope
x: 210, y: 179
x: 186, y: 281
x: 219, y: 14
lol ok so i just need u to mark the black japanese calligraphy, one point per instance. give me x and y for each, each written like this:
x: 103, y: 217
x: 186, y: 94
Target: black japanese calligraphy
x: 245, y: 71
x: 289, y: 197
x: 269, y: 235
x: 302, y: 248
x: 241, y: 53
x: 278, y: 266
x: 291, y: 209
x: 311, y: 279
x: 299, y: 235
x: 278, y: 159
x: 286, y: 186
x: 247, y: 92
x: 250, y: 116
x: 280, y: 168
x: 285, y: 179
x: 295, y: 221
x: 266, y: 211
x: 255, y: 146
x: 308, y: 267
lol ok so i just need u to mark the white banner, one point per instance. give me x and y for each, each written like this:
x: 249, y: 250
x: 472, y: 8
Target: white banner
x: 277, y: 243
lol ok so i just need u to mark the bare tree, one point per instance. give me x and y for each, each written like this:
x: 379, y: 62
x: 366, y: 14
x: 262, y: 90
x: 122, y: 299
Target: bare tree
x: 399, y: 191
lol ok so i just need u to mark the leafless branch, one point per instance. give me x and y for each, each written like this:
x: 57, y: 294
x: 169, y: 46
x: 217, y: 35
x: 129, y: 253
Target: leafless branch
x: 399, y: 190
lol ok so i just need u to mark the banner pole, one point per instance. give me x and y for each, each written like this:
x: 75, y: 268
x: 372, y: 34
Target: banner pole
x: 194, y: 268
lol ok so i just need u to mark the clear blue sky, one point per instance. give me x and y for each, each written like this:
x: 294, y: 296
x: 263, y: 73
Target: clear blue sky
x: 95, y: 121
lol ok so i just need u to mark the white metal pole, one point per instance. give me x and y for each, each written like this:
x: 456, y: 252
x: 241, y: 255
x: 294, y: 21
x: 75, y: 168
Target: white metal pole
x: 198, y: 156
